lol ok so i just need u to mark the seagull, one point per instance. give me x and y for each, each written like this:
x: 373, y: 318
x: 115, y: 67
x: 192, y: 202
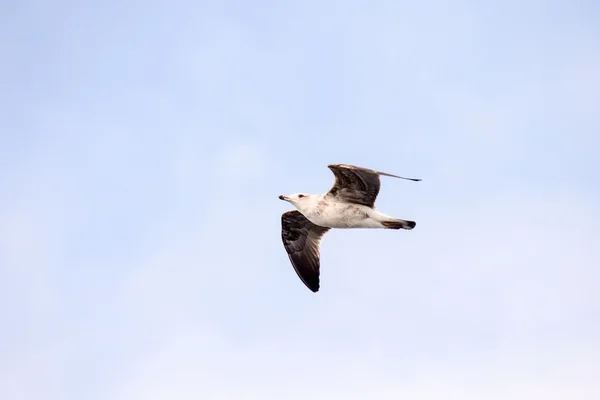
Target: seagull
x: 350, y: 203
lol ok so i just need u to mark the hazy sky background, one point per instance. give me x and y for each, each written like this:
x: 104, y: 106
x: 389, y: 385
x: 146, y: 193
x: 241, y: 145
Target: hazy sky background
x: 143, y: 145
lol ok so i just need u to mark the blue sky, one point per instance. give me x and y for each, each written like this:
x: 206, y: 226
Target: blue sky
x: 143, y: 146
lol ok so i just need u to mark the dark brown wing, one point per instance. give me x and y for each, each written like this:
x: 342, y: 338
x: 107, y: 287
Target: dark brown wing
x: 357, y: 185
x: 301, y: 239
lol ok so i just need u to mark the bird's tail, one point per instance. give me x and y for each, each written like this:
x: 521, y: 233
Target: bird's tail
x: 399, y: 224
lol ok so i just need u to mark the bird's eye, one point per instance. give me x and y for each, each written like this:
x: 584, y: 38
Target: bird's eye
x: 300, y: 196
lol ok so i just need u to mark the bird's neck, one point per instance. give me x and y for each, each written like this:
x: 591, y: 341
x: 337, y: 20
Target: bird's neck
x: 309, y: 205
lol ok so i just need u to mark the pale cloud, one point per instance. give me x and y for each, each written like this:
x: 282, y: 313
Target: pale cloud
x: 184, y: 369
x: 240, y: 164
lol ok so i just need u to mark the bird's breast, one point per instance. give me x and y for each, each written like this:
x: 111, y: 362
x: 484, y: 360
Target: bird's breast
x: 337, y: 215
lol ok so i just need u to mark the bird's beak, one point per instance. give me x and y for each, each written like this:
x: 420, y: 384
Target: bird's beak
x: 282, y: 197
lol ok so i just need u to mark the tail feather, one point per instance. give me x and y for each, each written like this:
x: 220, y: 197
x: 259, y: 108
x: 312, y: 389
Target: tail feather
x: 399, y: 224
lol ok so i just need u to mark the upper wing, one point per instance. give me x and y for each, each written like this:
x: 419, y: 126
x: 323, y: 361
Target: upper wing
x: 301, y: 240
x: 357, y: 185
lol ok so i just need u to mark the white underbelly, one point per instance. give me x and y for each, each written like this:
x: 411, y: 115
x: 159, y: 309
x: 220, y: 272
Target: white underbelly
x: 344, y: 216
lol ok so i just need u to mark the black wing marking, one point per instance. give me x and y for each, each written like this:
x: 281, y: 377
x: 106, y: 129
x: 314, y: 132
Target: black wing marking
x: 357, y: 185
x: 301, y: 239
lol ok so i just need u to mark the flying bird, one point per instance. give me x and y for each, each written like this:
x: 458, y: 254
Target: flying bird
x: 350, y: 203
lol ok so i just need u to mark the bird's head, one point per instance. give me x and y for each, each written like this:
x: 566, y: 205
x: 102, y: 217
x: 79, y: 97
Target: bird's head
x: 298, y: 199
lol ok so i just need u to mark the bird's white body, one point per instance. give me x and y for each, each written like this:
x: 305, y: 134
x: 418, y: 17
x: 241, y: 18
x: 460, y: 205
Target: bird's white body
x: 326, y: 211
